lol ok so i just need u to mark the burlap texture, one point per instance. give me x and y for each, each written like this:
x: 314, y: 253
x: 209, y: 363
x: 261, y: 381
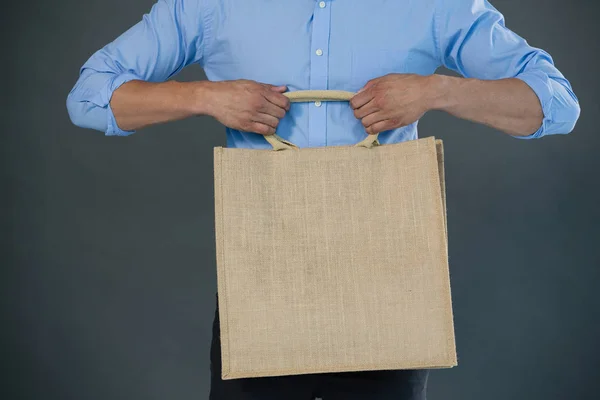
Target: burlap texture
x: 332, y: 259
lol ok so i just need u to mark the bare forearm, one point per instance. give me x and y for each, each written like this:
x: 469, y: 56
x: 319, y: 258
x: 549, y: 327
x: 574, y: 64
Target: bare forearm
x: 509, y: 105
x: 137, y: 104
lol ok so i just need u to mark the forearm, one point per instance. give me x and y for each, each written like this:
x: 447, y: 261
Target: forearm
x: 509, y: 105
x: 137, y: 104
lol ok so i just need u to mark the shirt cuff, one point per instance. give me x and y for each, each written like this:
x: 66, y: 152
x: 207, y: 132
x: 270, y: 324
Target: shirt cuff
x: 539, y: 82
x: 112, y: 129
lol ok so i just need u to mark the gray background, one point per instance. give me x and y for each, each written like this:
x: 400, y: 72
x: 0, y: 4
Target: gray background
x: 108, y: 265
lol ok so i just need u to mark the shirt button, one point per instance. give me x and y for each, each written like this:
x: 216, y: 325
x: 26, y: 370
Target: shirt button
x: 319, y: 52
x: 318, y: 103
x: 322, y: 4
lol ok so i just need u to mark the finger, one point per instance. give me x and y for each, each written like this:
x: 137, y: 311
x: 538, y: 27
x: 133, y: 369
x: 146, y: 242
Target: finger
x: 269, y: 108
x: 360, y: 99
x: 278, y: 100
x: 266, y: 119
x: 373, y: 118
x: 261, y: 129
x: 380, y: 126
x: 366, y: 109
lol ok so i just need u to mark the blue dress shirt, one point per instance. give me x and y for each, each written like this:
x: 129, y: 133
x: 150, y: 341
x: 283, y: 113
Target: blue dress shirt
x: 308, y: 44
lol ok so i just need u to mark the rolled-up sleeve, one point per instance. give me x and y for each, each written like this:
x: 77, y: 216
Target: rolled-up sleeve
x: 474, y: 41
x: 167, y: 39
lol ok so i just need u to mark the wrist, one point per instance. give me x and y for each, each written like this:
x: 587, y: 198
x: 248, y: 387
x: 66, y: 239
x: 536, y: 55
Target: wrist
x: 441, y: 91
x: 199, y: 98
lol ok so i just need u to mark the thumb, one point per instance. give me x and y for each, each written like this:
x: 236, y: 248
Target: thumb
x: 279, y: 89
x: 367, y: 85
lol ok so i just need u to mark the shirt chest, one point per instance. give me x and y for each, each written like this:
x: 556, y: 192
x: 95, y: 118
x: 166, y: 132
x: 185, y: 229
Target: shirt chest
x: 308, y: 44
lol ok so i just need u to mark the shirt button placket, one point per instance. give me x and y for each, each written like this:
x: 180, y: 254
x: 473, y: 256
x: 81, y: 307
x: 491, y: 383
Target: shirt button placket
x: 317, y: 114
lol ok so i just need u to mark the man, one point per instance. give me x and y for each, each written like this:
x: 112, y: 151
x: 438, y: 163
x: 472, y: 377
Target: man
x: 387, y: 51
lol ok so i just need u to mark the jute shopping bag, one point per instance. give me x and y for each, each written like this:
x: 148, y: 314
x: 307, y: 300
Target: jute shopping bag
x: 332, y: 259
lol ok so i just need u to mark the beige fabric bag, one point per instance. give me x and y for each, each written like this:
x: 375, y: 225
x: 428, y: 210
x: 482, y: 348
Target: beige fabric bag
x: 332, y: 259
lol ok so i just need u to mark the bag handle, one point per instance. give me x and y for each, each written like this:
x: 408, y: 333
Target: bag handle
x: 298, y: 96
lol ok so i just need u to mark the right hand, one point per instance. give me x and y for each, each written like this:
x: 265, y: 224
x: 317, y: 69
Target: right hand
x: 248, y: 106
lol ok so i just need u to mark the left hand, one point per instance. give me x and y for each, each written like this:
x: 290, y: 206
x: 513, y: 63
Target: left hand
x: 392, y: 101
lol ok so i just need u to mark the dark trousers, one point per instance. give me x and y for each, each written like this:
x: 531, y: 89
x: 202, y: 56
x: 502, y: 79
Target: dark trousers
x: 372, y: 385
